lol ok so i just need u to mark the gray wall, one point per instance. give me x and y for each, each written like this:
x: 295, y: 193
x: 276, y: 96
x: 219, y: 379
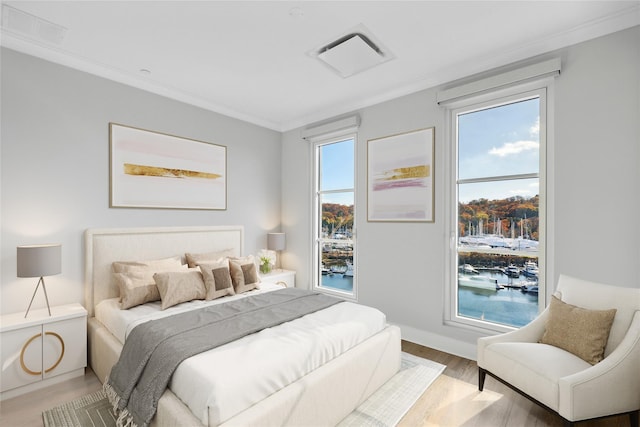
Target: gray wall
x: 55, y: 181
x: 593, y: 161
x: 55, y: 168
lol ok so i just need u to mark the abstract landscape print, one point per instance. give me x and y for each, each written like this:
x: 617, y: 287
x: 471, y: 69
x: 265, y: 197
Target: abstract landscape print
x: 156, y: 170
x: 400, y: 177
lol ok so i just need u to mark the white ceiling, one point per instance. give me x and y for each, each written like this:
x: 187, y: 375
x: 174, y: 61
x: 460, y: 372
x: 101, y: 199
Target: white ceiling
x: 252, y: 61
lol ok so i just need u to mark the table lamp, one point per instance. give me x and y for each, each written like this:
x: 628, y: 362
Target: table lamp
x: 276, y: 242
x: 39, y: 261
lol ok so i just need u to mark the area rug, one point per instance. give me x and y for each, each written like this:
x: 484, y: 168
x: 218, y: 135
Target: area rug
x: 384, y: 408
x: 387, y: 406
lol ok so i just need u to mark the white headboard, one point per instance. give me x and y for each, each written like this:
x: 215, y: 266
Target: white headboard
x: 103, y: 246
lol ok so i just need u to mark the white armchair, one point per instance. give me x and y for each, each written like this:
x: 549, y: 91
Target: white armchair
x: 562, y: 382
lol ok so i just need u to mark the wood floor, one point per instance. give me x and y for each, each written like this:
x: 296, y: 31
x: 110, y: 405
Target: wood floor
x: 26, y: 410
x: 452, y: 400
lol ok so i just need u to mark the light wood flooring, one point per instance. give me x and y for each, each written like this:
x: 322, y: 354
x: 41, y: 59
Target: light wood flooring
x: 452, y: 400
x: 26, y: 410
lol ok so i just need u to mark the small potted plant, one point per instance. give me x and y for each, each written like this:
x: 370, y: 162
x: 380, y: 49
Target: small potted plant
x: 267, y: 260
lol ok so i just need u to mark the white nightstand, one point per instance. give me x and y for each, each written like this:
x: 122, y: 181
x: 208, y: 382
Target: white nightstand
x: 42, y: 350
x: 286, y: 278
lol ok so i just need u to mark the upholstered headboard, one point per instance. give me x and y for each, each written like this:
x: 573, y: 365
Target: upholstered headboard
x: 103, y: 246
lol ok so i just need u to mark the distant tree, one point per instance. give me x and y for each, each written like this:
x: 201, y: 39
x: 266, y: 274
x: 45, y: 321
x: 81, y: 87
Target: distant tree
x: 335, y: 216
x: 511, y: 210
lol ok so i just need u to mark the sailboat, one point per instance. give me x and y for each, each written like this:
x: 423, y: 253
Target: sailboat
x: 349, y: 271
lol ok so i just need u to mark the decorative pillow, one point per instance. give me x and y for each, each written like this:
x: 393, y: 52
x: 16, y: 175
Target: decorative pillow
x: 135, y: 279
x: 179, y: 286
x: 217, y: 279
x: 164, y: 264
x: 135, y: 289
x: 578, y: 330
x: 244, y: 274
x: 194, y: 259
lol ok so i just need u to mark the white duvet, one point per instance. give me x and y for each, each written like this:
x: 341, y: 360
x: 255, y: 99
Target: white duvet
x: 220, y: 383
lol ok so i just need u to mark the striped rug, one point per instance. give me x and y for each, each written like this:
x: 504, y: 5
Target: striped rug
x: 384, y: 408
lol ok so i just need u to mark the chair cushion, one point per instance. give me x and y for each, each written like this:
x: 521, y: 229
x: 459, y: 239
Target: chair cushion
x: 578, y: 330
x: 533, y: 368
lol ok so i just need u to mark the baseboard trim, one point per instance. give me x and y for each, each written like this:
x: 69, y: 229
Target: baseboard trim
x: 439, y: 342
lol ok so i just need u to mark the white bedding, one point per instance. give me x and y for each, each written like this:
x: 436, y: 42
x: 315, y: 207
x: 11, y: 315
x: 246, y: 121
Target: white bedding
x: 121, y: 322
x: 262, y: 363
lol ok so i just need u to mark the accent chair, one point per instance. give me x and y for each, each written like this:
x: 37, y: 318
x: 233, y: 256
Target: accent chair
x: 545, y: 360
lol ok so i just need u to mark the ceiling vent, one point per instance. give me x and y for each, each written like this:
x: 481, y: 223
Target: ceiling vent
x: 353, y: 53
x: 25, y: 24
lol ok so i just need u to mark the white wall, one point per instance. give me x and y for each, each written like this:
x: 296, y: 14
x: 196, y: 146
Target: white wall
x: 595, y: 163
x: 55, y: 168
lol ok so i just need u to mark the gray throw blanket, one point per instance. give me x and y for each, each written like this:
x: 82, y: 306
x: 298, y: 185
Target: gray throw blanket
x: 154, y: 349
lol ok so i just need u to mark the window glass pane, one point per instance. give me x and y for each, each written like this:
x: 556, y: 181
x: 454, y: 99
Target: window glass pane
x: 510, y: 222
x: 337, y: 266
x: 337, y: 166
x: 499, y: 141
x: 498, y: 256
x: 498, y: 224
x: 337, y: 218
x: 497, y: 288
x: 336, y: 241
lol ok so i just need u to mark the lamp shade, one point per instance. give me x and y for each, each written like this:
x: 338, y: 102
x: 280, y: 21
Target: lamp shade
x: 39, y: 260
x: 276, y: 241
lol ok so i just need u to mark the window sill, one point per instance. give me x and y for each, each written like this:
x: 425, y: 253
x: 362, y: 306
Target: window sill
x: 347, y: 296
x: 479, y: 326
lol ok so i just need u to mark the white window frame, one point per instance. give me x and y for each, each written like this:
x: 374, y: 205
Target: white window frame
x: 544, y: 89
x: 317, y: 217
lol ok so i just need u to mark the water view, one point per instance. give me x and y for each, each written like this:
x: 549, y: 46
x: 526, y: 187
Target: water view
x: 338, y: 281
x: 336, y: 248
x: 498, y: 260
x: 506, y: 300
x: 498, y: 191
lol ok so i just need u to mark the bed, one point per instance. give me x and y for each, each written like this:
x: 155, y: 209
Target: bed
x: 322, y: 396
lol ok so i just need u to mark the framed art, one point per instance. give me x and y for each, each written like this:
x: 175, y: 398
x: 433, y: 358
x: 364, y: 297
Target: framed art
x: 400, y: 177
x: 156, y: 170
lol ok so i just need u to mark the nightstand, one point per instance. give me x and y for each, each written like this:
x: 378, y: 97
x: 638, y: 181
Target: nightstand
x: 286, y: 278
x: 42, y: 350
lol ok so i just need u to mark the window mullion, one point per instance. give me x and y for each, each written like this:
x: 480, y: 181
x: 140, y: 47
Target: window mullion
x: 499, y: 178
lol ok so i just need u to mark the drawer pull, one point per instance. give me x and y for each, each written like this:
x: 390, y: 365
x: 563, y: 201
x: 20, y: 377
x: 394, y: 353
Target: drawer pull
x: 24, y: 348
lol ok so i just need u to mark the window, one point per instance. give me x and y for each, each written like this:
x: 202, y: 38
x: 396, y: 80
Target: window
x: 334, y: 268
x: 497, y: 212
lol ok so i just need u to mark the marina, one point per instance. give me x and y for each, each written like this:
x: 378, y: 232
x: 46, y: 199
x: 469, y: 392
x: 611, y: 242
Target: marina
x: 479, y: 282
x: 529, y: 271
x: 338, y: 277
x: 503, y: 295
